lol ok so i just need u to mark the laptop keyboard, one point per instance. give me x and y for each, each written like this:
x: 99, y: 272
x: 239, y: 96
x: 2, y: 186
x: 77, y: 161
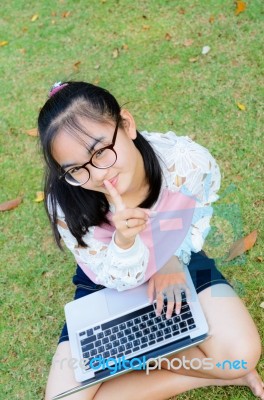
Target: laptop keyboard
x: 133, y: 332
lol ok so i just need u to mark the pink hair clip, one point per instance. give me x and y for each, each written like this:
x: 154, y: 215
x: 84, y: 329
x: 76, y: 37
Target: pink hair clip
x: 56, y: 88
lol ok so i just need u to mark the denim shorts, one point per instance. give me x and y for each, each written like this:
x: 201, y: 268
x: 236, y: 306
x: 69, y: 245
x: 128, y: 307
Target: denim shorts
x: 202, y: 270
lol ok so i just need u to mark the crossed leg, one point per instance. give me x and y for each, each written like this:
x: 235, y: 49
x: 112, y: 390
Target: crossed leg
x: 233, y: 336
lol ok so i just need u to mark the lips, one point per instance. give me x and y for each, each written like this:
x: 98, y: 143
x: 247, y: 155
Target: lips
x: 114, y: 180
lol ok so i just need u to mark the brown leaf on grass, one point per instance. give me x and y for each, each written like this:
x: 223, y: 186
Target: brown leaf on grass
x: 188, y: 42
x: 76, y: 65
x: 146, y: 27
x: 260, y: 259
x: 39, y: 197
x: 211, y: 19
x: 9, y: 205
x: 3, y: 43
x: 262, y: 305
x: 168, y: 36
x: 124, y: 47
x: 242, y: 245
x: 22, y: 51
x: 32, y: 132
x: 34, y: 17
x: 182, y: 11
x: 66, y: 14
x: 240, y: 7
x: 193, y: 59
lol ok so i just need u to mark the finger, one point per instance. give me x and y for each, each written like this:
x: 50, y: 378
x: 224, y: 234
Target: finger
x: 150, y: 290
x: 178, y: 300
x: 159, y: 304
x: 136, y: 213
x: 188, y: 294
x: 170, y: 306
x: 134, y: 223
x: 116, y: 198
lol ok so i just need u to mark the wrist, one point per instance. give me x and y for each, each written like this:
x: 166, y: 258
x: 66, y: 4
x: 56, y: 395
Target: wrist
x: 123, y: 244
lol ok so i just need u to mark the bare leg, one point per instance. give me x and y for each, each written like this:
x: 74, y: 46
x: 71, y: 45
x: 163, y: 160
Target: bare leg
x: 158, y: 385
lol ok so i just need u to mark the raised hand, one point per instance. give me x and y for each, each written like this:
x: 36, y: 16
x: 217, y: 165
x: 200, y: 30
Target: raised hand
x: 127, y: 221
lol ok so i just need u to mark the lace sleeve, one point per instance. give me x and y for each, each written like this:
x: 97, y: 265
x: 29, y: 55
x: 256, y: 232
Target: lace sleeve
x: 192, y: 170
x: 112, y: 266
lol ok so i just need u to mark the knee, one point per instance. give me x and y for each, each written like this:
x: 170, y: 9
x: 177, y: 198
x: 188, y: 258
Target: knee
x: 241, y: 357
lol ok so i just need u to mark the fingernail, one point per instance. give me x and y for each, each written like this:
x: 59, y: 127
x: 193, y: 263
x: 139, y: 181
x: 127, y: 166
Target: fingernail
x: 178, y: 311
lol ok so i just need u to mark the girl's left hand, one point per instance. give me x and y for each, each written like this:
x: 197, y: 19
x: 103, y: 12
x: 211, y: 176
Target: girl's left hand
x: 170, y: 281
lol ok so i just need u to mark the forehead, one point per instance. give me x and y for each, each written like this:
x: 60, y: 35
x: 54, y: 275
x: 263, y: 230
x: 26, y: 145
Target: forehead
x: 72, y: 141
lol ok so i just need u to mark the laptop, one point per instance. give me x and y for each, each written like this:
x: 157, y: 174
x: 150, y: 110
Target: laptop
x: 112, y: 332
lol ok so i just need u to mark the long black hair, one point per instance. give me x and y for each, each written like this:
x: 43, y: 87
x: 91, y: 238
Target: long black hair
x: 84, y: 208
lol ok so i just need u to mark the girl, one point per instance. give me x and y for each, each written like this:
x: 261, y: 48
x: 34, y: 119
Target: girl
x: 105, y: 182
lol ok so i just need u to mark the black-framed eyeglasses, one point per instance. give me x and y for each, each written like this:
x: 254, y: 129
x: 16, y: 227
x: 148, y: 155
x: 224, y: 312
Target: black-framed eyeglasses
x: 102, y: 159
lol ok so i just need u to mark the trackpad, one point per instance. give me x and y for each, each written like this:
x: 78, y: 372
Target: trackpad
x: 119, y: 302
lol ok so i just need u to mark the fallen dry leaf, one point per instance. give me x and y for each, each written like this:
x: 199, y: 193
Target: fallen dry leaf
x: 211, y: 19
x: 260, y: 259
x: 241, y: 106
x: 188, y: 42
x: 242, y: 245
x: 168, y: 36
x: 193, y: 59
x: 39, y: 197
x: 9, y: 205
x: 240, y: 7
x: 262, y: 305
x: 124, y: 46
x: 22, y: 51
x: 65, y: 14
x: 145, y: 27
x: 182, y: 11
x: 32, y: 132
x: 3, y: 43
x: 34, y: 17
x: 76, y: 65
x: 115, y: 53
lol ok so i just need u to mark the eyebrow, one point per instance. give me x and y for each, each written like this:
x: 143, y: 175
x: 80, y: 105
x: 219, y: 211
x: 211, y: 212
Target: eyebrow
x: 90, y: 150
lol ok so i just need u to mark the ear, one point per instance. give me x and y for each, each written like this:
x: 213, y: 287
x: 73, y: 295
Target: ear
x: 129, y: 124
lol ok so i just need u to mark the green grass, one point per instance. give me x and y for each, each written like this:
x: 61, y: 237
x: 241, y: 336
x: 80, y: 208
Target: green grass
x: 166, y: 92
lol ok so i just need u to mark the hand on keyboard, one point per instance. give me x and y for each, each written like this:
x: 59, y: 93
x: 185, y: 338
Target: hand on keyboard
x: 169, y: 282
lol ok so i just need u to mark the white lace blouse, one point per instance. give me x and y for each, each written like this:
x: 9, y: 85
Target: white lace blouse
x: 191, y: 179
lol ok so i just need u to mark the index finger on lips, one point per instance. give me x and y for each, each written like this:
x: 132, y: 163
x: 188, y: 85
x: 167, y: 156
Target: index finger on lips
x: 117, y: 199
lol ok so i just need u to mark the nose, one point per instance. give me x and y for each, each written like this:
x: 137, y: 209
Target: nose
x: 98, y: 175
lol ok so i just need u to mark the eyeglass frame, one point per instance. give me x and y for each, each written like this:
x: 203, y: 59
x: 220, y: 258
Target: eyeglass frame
x: 110, y: 146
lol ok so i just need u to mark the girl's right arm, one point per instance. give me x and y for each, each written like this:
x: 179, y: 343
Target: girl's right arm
x: 106, y: 262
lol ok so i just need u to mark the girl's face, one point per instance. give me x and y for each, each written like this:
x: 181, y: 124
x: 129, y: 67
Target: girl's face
x: 127, y: 174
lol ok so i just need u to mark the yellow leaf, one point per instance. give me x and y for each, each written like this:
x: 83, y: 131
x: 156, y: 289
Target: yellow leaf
x: 39, y: 197
x: 115, y: 53
x: 240, y: 7
x: 34, y: 17
x: 3, y: 43
x: 32, y: 132
x: 241, y: 106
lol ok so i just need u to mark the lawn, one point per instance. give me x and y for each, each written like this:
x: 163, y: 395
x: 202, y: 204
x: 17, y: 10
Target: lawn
x: 148, y: 53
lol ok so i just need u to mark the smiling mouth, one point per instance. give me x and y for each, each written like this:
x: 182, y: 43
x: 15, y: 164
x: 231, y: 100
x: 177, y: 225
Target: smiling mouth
x: 114, y: 180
